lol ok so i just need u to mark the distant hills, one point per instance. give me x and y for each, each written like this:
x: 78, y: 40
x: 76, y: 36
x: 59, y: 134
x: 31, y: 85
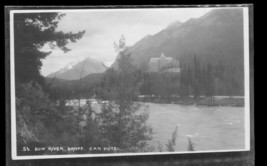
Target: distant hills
x: 75, y: 71
x: 88, y: 80
x: 215, y: 37
x: 71, y: 88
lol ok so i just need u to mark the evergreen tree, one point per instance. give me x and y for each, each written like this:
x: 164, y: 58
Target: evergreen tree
x: 37, y: 117
x: 209, y: 81
x: 196, y: 84
x: 189, y: 79
x: 122, y: 122
x: 32, y: 31
x: 185, y: 78
x: 40, y: 120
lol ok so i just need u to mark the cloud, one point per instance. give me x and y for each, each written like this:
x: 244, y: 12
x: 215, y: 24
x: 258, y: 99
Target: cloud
x: 105, y: 26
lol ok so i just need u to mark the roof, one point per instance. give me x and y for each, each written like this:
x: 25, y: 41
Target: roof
x: 154, y: 60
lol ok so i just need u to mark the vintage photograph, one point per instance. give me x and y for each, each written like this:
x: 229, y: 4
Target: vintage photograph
x: 129, y: 81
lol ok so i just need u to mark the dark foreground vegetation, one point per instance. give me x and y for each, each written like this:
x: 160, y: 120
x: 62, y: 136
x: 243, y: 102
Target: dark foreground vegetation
x: 46, y: 125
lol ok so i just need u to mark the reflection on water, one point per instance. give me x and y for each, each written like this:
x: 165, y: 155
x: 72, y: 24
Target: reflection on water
x: 209, y: 128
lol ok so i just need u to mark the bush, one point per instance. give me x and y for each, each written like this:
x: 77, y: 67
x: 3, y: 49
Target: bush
x: 37, y: 116
x: 124, y: 127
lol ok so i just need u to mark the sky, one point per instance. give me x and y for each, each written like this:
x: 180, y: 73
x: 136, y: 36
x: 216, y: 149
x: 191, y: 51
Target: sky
x: 105, y: 26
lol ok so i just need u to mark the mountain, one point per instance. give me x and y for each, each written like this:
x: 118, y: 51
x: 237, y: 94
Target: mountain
x: 77, y: 70
x: 215, y: 37
x: 71, y: 88
x: 88, y: 81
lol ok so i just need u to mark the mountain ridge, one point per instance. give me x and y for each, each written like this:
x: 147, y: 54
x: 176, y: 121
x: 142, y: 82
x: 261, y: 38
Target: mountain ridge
x: 79, y: 69
x: 214, y: 37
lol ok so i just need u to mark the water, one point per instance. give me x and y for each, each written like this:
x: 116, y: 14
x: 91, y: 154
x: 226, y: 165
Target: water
x: 209, y: 128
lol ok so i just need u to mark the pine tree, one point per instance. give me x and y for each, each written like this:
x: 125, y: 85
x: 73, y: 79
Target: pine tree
x: 122, y: 122
x: 209, y: 83
x: 196, y: 84
x: 32, y: 31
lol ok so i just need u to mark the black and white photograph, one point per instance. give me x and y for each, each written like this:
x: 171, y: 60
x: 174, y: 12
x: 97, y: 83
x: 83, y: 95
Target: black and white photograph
x: 129, y: 81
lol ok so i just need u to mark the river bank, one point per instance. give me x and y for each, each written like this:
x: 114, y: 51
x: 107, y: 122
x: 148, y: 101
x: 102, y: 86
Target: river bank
x: 234, y: 101
x: 207, y: 101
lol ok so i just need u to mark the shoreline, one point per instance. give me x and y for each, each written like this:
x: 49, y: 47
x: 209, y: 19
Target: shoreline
x: 205, y: 101
x: 201, y: 101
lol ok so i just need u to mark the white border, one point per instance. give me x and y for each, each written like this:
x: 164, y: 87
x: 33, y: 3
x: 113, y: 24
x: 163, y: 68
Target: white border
x: 12, y: 91
x: 246, y: 69
x: 12, y: 86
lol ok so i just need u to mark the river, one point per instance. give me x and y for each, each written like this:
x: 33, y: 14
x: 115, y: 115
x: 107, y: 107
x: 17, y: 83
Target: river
x: 209, y: 128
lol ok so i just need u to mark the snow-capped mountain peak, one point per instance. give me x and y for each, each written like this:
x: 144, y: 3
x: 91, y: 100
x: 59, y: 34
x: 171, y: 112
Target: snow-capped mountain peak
x: 72, y: 71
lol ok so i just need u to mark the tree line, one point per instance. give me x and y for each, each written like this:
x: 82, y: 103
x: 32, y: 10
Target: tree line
x: 196, y: 79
